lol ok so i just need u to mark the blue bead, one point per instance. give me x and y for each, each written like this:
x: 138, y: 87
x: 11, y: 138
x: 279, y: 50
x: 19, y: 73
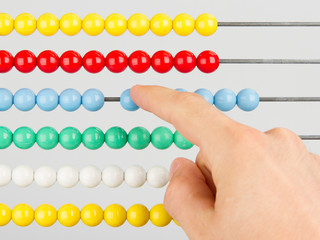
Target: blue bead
x: 93, y: 100
x: 24, y: 99
x: 225, y: 100
x: 248, y: 99
x: 181, y: 90
x: 206, y: 94
x: 70, y: 100
x: 127, y: 102
x: 47, y: 99
x: 6, y: 99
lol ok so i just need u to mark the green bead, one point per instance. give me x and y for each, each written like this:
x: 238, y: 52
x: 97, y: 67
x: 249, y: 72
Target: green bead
x: 116, y: 137
x: 139, y: 138
x: 162, y: 138
x: 5, y: 137
x: 70, y: 138
x: 47, y: 138
x: 93, y: 138
x: 181, y: 142
x: 24, y: 137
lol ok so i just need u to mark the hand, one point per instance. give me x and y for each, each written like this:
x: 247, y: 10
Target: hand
x: 245, y: 184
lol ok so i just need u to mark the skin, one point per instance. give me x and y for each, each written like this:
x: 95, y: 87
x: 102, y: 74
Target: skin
x: 244, y: 184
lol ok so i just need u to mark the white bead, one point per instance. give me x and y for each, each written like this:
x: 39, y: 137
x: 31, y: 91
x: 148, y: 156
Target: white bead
x: 90, y: 176
x: 68, y: 176
x: 112, y: 176
x: 22, y: 176
x: 135, y: 176
x: 158, y: 177
x: 45, y: 176
x: 5, y: 175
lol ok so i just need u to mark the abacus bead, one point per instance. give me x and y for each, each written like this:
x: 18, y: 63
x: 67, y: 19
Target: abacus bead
x: 69, y: 215
x: 71, y: 61
x: 48, y: 24
x: 93, y: 24
x: 22, y: 215
x: 115, y: 215
x: 68, y: 177
x: 5, y: 176
x: 208, y: 61
x: 70, y: 138
x: 183, y: 24
x: 135, y: 176
x: 138, y: 215
x: 90, y: 176
x: 5, y: 137
x: 48, y: 61
x: 157, y: 177
x: 162, y: 61
x: 161, y: 24
x: 25, y: 61
x: 161, y: 138
x: 116, y: 24
x: 47, y: 99
x: 159, y: 216
x: 225, y: 100
x: 116, y: 137
x: 24, y: 137
x: 47, y: 138
x: 6, y: 99
x: 112, y: 176
x: 139, y: 61
x: 116, y: 61
x: 206, y: 94
x: 93, y: 100
x: 25, y: 24
x: 127, y: 102
x: 248, y: 99
x: 70, y: 24
x: 24, y: 99
x: 91, y: 215
x: 45, y: 215
x: 22, y: 176
x: 181, y: 90
x: 5, y: 214
x: 6, y: 60
x: 93, y: 61
x: 139, y: 138
x: 181, y: 142
x: 185, y: 61
x: 206, y: 24
x: 6, y: 24
x: 93, y: 138
x: 45, y: 177
x: 138, y: 24
x: 70, y: 100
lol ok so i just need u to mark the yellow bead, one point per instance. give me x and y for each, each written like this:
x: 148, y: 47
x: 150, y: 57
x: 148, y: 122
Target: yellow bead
x: 25, y: 24
x: 22, y: 215
x: 183, y: 24
x: 138, y: 24
x: 93, y: 24
x: 70, y: 24
x: 92, y: 215
x: 6, y: 24
x: 69, y: 215
x: 138, y: 215
x: 48, y: 24
x: 206, y: 24
x: 159, y: 216
x: 115, y: 215
x: 45, y: 215
x: 175, y: 221
x: 116, y: 24
x: 5, y: 214
x: 161, y: 24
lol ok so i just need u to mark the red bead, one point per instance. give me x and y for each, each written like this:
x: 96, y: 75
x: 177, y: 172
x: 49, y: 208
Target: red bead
x: 116, y: 61
x: 208, y: 61
x: 6, y: 61
x: 48, y: 61
x: 93, y: 61
x: 139, y: 61
x: 185, y: 61
x: 162, y: 61
x: 71, y: 61
x: 25, y: 61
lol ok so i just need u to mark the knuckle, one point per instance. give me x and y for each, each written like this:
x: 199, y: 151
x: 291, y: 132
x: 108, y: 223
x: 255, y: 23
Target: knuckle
x: 286, y: 138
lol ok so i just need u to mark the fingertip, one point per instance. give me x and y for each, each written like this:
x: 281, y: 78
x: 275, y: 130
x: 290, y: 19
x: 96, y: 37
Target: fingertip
x: 175, y: 166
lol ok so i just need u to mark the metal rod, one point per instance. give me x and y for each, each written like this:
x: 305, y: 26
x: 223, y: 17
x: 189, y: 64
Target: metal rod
x: 269, y: 61
x: 112, y: 99
x: 269, y: 24
x: 289, y: 99
x: 310, y: 137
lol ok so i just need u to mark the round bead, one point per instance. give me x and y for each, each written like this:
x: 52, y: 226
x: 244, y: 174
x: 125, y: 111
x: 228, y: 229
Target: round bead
x: 135, y: 176
x: 45, y: 177
x: 157, y: 177
x: 70, y: 100
x: 161, y: 138
x: 93, y: 138
x: 126, y: 101
x: 139, y: 138
x: 116, y: 137
x: 206, y: 24
x: 5, y: 137
x: 22, y: 176
x: 47, y: 99
x: 24, y: 99
x: 162, y: 61
x: 71, y: 61
x: 48, y: 24
x: 45, y: 215
x: 69, y: 215
x: 138, y: 24
x: 181, y: 142
x: 47, y: 138
x: 24, y: 137
x: 25, y: 24
x: 93, y: 61
x: 161, y: 24
x: 93, y: 100
x: 185, y: 61
x: 159, y: 216
x: 22, y: 215
x: 70, y: 24
x: 91, y: 215
x: 112, y: 176
x: 5, y: 176
x: 5, y: 214
x: 225, y: 100
x: 206, y: 94
x: 116, y: 61
x: 6, y: 24
x: 90, y: 176
x: 25, y: 61
x: 48, y: 61
x: 183, y: 24
x: 70, y: 138
x: 115, y: 215
x: 116, y: 24
x: 6, y: 59
x: 139, y: 61
x: 93, y: 24
x: 248, y: 99
x: 138, y: 215
x: 6, y: 99
x: 208, y: 62
x: 68, y: 177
